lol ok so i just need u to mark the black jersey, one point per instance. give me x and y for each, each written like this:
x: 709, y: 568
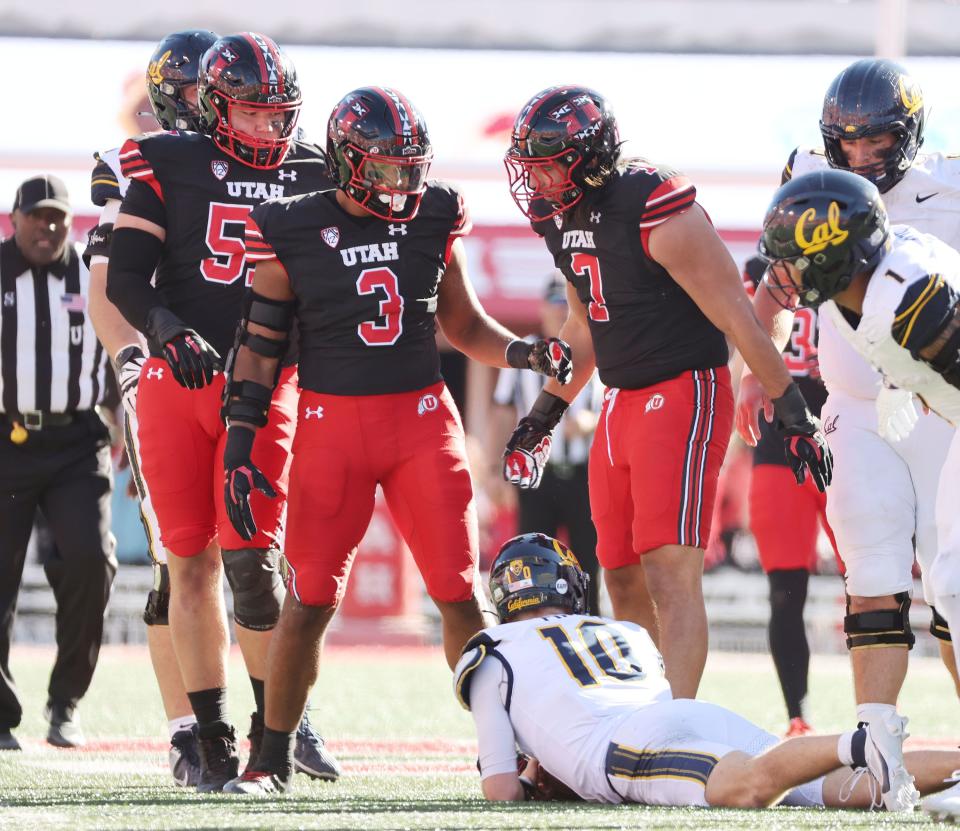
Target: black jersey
x: 800, y: 357
x: 206, y: 196
x: 645, y: 327
x: 366, y: 288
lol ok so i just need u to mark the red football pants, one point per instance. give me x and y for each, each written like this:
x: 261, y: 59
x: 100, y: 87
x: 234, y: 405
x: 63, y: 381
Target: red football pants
x: 181, y: 440
x: 412, y: 445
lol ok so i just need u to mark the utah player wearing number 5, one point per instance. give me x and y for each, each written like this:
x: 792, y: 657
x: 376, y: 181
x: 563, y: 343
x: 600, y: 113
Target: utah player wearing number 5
x: 585, y: 701
x: 652, y: 291
x: 366, y: 271
x: 183, y: 217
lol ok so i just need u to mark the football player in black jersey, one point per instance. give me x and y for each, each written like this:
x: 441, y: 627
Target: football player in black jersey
x: 366, y: 271
x: 652, y: 293
x: 183, y: 217
x: 172, y: 90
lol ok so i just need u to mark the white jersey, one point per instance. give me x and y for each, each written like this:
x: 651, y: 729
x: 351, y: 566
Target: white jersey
x: 566, y: 682
x: 914, y: 257
x: 926, y: 198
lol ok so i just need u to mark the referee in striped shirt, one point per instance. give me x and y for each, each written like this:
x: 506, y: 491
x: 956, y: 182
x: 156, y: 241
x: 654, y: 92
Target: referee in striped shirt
x: 54, y: 450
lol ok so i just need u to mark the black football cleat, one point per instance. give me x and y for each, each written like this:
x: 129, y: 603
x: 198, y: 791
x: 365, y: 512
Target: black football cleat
x: 311, y: 756
x: 218, y: 761
x: 256, y: 740
x: 185, y: 757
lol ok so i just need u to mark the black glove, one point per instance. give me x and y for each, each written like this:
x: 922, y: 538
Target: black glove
x: 806, y: 446
x: 528, y: 449
x: 192, y: 360
x: 129, y: 362
x: 550, y: 356
x: 241, y: 477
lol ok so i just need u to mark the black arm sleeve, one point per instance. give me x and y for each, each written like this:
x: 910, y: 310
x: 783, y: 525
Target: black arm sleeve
x: 134, y: 255
x: 142, y: 200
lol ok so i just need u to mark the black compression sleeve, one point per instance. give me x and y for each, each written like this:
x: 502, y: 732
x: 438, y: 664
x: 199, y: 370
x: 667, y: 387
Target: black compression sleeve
x: 134, y: 255
x: 142, y: 200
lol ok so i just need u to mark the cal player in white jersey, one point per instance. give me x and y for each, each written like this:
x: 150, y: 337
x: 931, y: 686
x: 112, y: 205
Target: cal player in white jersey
x: 872, y: 124
x: 585, y: 698
x: 172, y: 90
x: 827, y: 236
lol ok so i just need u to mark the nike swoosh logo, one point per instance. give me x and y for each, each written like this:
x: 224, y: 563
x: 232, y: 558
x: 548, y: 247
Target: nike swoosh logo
x: 925, y: 198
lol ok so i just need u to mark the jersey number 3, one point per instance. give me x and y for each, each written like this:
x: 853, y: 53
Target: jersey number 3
x: 608, y: 651
x: 387, y: 328
x: 229, y: 255
x: 589, y: 264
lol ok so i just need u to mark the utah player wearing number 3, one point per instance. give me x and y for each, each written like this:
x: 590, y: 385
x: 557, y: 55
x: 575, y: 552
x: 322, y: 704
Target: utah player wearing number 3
x: 183, y: 216
x: 652, y: 292
x: 366, y: 271
x: 585, y: 701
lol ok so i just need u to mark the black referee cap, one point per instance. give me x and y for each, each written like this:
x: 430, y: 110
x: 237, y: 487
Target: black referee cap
x: 44, y: 191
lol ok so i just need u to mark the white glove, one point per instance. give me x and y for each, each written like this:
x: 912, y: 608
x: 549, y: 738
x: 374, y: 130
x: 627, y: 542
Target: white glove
x: 896, y: 413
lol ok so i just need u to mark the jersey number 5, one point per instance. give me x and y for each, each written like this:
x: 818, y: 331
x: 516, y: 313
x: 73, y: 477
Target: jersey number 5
x: 387, y: 328
x: 589, y: 264
x: 608, y: 650
x: 229, y: 254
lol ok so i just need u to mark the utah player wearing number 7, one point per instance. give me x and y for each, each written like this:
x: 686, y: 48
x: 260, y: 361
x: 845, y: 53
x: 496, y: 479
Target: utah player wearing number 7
x: 367, y: 271
x: 183, y: 218
x: 585, y: 701
x: 652, y: 293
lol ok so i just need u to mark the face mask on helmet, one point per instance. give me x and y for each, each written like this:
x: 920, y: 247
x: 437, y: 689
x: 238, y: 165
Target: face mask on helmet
x: 389, y: 187
x: 249, y: 99
x: 544, y: 187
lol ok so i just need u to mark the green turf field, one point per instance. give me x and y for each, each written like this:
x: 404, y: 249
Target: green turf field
x: 406, y: 746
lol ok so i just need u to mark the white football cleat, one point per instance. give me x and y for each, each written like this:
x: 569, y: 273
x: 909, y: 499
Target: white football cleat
x: 884, y: 752
x: 946, y: 804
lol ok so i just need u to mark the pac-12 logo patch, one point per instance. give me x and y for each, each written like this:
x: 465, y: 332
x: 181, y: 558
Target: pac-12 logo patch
x: 331, y: 236
x: 220, y: 168
x: 427, y: 404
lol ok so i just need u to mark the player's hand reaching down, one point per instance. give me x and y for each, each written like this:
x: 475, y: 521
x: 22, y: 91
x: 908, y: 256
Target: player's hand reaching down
x: 804, y: 441
x: 241, y: 478
x: 528, y: 449
x: 752, y: 404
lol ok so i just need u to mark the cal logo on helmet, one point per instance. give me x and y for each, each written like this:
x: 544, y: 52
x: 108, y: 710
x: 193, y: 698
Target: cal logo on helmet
x: 824, y: 234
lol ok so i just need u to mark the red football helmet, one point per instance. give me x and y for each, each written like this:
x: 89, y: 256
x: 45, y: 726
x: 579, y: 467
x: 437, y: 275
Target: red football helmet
x: 249, y: 98
x: 378, y: 152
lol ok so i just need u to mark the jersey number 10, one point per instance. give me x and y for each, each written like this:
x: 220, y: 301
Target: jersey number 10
x: 609, y: 653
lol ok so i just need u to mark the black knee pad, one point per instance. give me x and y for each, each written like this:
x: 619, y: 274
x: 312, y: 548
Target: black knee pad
x: 254, y: 577
x: 882, y: 627
x: 939, y: 627
x: 158, y: 601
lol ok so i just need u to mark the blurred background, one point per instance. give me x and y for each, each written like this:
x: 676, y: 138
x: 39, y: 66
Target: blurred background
x: 721, y: 89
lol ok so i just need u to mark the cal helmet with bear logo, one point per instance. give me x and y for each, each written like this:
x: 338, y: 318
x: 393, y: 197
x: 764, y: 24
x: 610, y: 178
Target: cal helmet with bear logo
x: 248, y: 72
x: 564, y: 140
x: 534, y: 571
x: 379, y: 151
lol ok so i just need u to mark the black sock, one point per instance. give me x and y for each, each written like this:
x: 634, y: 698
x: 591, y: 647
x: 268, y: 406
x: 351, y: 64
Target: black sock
x: 210, y: 708
x: 276, y: 753
x: 788, y: 637
x: 257, y: 684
